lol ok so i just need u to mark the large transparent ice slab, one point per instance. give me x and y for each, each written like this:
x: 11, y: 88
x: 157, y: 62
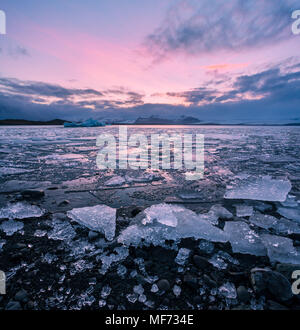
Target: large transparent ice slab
x: 101, y: 218
x: 172, y: 223
x: 243, y: 239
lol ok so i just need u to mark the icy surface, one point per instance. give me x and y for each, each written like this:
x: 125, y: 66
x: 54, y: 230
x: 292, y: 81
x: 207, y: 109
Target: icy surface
x: 10, y: 227
x: 188, y: 224
x: 21, y: 210
x: 262, y: 188
x: 99, y: 218
x: 243, y: 239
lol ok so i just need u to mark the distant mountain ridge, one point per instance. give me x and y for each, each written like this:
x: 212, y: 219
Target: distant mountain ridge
x: 32, y: 122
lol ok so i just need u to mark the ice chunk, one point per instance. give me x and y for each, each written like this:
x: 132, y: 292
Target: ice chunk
x: 10, y: 227
x: 263, y: 220
x: 115, y: 181
x: 244, y: 210
x: 62, y: 230
x: 243, y: 239
x: 182, y: 223
x: 228, y: 290
x: 262, y: 188
x: 105, y: 292
x: 206, y: 247
x: 119, y: 254
x: 138, y: 289
x: 182, y: 256
x: 282, y: 225
x: 210, y: 216
x: 281, y: 249
x: 154, y: 288
x: 40, y: 233
x: 221, y: 212
x: 218, y: 262
x: 176, y: 290
x: 99, y: 218
x: 163, y: 213
x: 290, y: 213
x: 122, y: 270
x: 21, y: 210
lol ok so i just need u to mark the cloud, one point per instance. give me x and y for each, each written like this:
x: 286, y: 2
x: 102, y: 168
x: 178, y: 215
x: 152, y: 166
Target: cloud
x: 196, y: 27
x: 271, y: 95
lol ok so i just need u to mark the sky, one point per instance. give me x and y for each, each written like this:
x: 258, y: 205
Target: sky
x: 216, y: 60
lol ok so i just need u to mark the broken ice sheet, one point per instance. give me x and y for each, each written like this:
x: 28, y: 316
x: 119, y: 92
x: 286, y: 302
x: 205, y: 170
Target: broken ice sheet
x: 262, y: 188
x: 179, y: 223
x: 10, y: 227
x: 99, y: 218
x: 243, y: 239
x: 281, y: 249
x: 20, y: 210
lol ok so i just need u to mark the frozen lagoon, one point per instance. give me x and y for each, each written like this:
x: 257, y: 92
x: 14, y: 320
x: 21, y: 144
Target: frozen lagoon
x: 61, y: 163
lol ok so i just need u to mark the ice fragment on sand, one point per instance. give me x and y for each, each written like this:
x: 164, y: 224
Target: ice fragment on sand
x: 228, y: 290
x: 220, y: 259
x: 206, y: 247
x: 244, y: 210
x: 281, y: 249
x: 10, y: 227
x: 176, y: 290
x: 99, y: 218
x: 262, y: 188
x: 20, y: 211
x: 119, y: 254
x: 243, y: 239
x: 182, y: 256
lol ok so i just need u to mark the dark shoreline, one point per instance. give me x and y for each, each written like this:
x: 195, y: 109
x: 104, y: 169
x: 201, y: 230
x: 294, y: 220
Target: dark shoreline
x: 57, y: 122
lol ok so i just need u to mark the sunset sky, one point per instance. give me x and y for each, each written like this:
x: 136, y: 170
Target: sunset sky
x: 213, y: 59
